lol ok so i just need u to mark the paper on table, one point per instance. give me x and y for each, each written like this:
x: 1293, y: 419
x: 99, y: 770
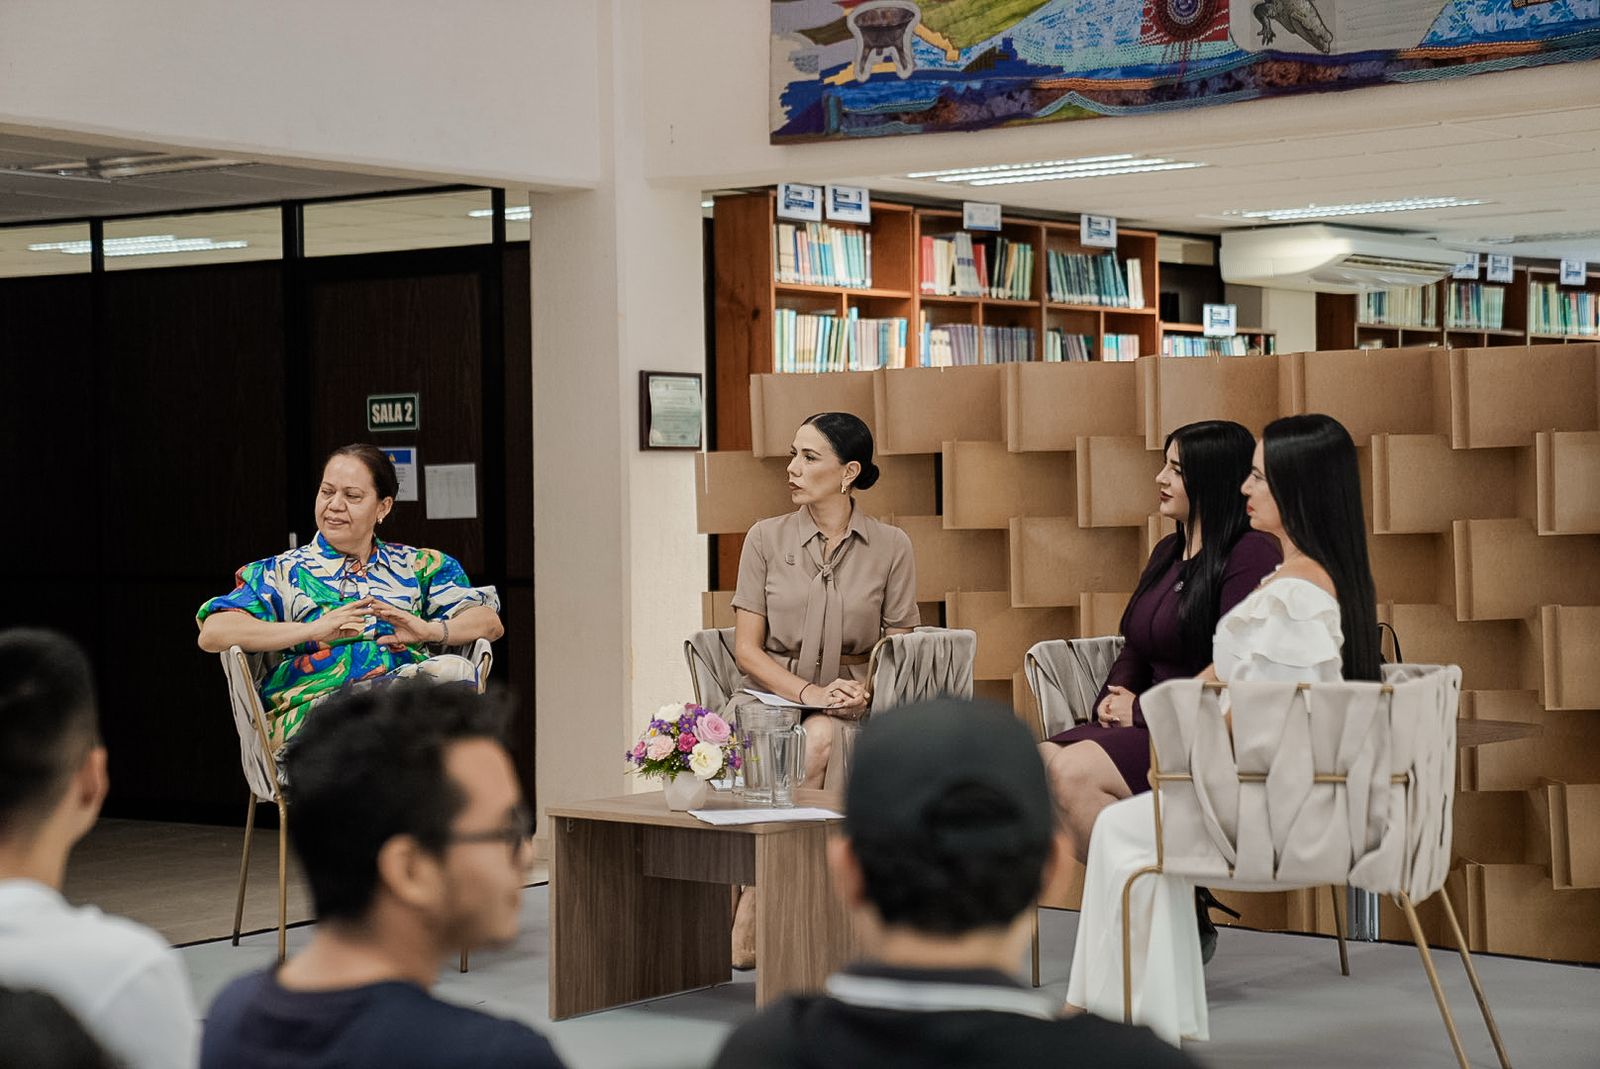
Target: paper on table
x: 775, y: 701
x: 763, y: 816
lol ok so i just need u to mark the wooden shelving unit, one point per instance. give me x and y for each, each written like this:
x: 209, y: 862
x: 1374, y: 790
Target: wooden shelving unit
x: 1257, y: 340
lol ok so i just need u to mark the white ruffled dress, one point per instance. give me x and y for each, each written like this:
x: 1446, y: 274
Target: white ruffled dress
x: 1287, y: 630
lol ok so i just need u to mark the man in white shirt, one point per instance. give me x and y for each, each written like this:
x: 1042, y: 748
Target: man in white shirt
x: 122, y: 982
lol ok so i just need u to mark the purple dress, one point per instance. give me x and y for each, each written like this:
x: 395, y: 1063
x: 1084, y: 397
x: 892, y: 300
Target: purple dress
x: 1155, y: 651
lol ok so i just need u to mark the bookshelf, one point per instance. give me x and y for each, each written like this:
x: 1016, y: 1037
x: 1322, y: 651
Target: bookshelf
x: 1451, y: 313
x: 1188, y: 339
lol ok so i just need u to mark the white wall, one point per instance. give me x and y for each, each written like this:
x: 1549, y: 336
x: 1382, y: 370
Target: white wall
x: 471, y: 89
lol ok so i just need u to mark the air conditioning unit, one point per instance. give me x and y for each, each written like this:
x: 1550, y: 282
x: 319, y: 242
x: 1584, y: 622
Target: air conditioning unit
x: 1330, y: 259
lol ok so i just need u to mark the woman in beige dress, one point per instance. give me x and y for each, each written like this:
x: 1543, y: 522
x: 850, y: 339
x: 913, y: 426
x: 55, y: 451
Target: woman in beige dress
x: 817, y: 588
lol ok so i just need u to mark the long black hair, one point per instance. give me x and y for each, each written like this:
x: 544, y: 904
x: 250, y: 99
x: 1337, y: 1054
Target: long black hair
x: 1214, y: 458
x: 1312, y: 471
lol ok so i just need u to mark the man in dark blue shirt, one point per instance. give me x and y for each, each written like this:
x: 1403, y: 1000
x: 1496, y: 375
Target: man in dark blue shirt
x: 406, y: 815
x: 948, y: 837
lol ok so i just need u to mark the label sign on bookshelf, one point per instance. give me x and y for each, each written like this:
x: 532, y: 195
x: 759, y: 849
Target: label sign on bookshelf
x: 1573, y: 272
x: 849, y: 204
x: 1499, y: 267
x: 1220, y: 320
x: 976, y: 215
x: 1467, y: 266
x: 1100, y: 231
x: 797, y: 201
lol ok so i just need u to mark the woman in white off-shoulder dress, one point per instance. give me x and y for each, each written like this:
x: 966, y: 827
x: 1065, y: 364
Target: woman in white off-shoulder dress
x: 1312, y: 620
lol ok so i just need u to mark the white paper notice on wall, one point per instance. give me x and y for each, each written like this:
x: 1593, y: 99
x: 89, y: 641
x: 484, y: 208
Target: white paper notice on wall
x: 798, y: 201
x: 1100, y: 231
x: 1220, y: 320
x: 404, y: 459
x: 849, y: 204
x: 1573, y: 272
x: 1499, y: 267
x: 1467, y: 266
x: 452, y: 491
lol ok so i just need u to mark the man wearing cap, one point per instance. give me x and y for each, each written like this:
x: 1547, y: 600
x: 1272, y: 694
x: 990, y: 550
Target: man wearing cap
x: 948, y: 838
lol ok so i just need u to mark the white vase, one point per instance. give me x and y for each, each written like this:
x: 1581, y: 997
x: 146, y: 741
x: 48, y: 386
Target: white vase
x: 685, y: 791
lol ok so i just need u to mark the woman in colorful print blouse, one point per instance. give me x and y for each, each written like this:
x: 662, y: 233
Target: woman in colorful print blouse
x: 348, y: 608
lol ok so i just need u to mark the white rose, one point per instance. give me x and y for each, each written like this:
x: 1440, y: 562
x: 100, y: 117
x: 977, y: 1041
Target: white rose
x: 705, y: 760
x: 669, y: 712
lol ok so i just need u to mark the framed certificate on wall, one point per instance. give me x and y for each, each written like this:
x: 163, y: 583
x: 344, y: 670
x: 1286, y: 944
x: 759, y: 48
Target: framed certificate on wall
x: 671, y: 410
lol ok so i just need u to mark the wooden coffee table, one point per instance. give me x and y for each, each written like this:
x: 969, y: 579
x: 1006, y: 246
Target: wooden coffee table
x: 640, y: 907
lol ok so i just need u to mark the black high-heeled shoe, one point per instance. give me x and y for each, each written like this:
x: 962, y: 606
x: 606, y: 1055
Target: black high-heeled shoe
x: 1204, y: 903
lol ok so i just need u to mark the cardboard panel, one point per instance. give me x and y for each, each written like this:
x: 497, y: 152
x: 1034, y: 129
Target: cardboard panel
x: 1174, y: 391
x: 1408, y: 568
x: 779, y: 403
x: 1506, y: 396
x: 1156, y: 527
x: 1370, y: 391
x: 1565, y: 747
x: 992, y: 690
x: 1505, y: 571
x: 985, y: 486
x: 716, y: 608
x: 1491, y: 653
x: 1101, y: 614
x: 1574, y: 820
x: 955, y: 560
x: 919, y: 409
x: 1047, y: 406
x: 1005, y: 633
x: 734, y: 490
x: 1567, y: 466
x: 1116, y: 481
x: 1053, y: 560
x: 1420, y: 484
x: 1025, y: 705
x: 1567, y: 638
x: 1513, y: 909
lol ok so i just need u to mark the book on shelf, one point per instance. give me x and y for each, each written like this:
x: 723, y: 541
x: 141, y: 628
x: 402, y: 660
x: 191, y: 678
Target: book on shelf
x: 966, y: 344
x: 1102, y: 280
x: 1401, y: 306
x: 950, y: 266
x: 818, y: 342
x: 1061, y: 347
x: 1474, y: 306
x: 1013, y: 269
x: 816, y: 254
x: 1119, y: 347
x: 1238, y: 345
x: 1556, y: 311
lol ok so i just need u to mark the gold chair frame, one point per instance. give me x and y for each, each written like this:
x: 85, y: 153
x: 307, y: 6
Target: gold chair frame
x: 480, y: 651
x: 1403, y: 900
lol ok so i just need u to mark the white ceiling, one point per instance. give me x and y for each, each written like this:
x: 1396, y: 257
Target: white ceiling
x: 1537, y: 169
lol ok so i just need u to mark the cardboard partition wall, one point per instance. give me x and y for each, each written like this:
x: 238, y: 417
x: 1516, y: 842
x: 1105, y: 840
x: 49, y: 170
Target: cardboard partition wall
x: 954, y: 559
x: 780, y: 403
x: 919, y: 409
x: 1175, y: 392
x: 1116, y: 481
x: 1420, y: 484
x: 1503, y: 396
x: 1567, y: 473
x: 1054, y: 561
x: 985, y: 486
x: 1370, y: 391
x: 1049, y: 406
x: 1505, y: 570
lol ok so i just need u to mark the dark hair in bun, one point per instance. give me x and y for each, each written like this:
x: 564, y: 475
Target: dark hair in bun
x: 384, y: 478
x: 851, y: 440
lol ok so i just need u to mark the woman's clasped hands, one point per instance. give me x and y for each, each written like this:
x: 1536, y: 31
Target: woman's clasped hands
x: 843, y: 698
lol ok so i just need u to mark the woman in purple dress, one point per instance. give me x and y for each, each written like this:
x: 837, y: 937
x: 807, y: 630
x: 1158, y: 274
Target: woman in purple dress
x: 1192, y: 579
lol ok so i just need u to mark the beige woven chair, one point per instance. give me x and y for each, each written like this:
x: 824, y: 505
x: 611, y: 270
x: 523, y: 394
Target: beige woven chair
x: 928, y: 662
x: 1065, y: 676
x: 244, y: 671
x: 712, y: 670
x: 1317, y: 783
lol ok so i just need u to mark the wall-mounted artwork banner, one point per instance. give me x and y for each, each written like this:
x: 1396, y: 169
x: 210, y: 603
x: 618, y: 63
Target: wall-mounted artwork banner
x: 866, y: 68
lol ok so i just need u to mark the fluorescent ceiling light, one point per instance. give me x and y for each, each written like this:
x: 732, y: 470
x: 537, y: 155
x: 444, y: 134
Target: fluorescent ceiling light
x: 1056, y: 170
x: 1372, y: 207
x: 138, y: 165
x: 706, y: 204
x: 518, y: 213
x: 146, y: 245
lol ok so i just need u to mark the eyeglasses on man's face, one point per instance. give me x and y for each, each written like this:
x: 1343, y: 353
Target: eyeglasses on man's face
x: 515, y: 834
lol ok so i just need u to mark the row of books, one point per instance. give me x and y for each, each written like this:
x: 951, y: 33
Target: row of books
x: 807, y: 342
x: 1101, y: 280
x: 1401, y: 306
x: 964, y: 344
x: 816, y: 254
x: 1198, y: 345
x: 1474, y: 306
x: 952, y: 265
x: 1013, y: 270
x: 1061, y: 347
x: 1562, y: 311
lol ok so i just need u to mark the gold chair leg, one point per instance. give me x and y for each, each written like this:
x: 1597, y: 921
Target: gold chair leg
x: 283, y: 881
x: 1127, y: 944
x: 1035, y: 946
x: 463, y: 959
x: 1472, y: 977
x: 1338, y: 930
x: 1433, y: 977
x: 244, y: 869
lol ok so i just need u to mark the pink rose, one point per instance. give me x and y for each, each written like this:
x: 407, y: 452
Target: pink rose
x: 686, y: 741
x: 638, y: 751
x: 713, y: 729
x: 660, y: 746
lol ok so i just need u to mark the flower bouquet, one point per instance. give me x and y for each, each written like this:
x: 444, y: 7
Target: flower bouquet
x: 685, y: 738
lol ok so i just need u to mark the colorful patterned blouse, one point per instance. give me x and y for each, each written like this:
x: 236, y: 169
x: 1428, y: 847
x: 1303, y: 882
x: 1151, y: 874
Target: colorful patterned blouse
x: 304, y: 583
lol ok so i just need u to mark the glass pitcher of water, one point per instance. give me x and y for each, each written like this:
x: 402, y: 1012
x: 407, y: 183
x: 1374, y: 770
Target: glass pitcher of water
x: 774, y: 745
